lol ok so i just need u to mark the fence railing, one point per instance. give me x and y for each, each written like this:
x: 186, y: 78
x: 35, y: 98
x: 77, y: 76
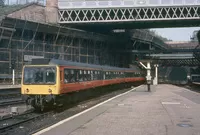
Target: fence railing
x: 65, y: 4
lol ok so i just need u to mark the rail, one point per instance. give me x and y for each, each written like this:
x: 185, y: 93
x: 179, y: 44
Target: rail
x: 16, y: 121
x: 11, y: 102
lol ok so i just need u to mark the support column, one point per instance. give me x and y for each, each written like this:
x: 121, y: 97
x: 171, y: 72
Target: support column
x: 155, y: 81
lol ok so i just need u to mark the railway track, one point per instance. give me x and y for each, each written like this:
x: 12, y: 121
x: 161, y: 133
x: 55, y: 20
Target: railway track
x: 17, y: 120
x: 192, y: 87
x: 11, y: 102
x: 9, y: 94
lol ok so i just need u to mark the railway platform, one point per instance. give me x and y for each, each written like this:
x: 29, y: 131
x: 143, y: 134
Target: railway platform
x: 3, y: 87
x: 167, y: 110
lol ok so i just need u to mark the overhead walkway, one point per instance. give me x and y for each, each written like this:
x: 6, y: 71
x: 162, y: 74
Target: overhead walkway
x: 134, y: 13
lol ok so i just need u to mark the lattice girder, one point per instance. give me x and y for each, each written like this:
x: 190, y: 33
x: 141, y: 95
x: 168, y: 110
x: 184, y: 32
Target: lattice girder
x: 128, y: 14
x: 178, y: 62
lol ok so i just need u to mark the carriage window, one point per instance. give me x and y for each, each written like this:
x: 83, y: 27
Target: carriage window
x: 72, y: 76
x: 99, y: 75
x: 92, y: 77
x: 107, y: 75
x: 81, y: 76
x: 88, y: 76
x: 66, y: 75
x: 69, y: 76
x: 111, y: 75
x: 95, y: 75
x: 122, y: 75
x: 85, y: 75
x: 72, y: 71
x: 114, y: 75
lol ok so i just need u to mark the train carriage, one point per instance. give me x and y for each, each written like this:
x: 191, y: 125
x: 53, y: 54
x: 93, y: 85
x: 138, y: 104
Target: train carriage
x: 45, y: 81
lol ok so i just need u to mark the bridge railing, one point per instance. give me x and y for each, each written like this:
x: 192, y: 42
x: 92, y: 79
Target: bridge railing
x: 22, y: 2
x: 67, y: 4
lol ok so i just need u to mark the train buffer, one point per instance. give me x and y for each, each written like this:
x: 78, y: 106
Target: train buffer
x: 167, y: 110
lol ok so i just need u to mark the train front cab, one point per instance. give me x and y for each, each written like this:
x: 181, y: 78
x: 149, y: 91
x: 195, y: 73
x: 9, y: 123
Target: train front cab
x: 40, y: 84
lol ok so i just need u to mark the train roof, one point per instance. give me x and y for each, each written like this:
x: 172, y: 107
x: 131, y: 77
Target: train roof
x: 78, y: 64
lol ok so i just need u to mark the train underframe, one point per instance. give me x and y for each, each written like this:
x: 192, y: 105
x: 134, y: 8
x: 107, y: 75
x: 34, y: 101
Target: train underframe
x: 43, y: 102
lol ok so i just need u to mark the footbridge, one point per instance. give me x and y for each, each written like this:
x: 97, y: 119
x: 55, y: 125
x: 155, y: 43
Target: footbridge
x: 135, y: 13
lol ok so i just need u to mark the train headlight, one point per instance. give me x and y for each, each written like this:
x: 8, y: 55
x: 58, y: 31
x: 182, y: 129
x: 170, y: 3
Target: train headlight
x: 50, y: 91
x: 27, y: 90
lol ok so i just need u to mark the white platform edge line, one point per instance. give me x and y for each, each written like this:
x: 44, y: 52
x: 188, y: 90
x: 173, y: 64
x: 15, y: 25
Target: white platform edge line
x: 74, y: 116
x: 171, y: 103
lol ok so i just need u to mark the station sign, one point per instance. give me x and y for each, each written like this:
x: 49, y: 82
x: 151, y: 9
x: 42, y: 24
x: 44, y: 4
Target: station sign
x: 30, y: 57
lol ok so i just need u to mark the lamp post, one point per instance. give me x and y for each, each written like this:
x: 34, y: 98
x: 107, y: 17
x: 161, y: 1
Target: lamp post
x: 155, y: 81
x: 13, y: 71
x: 148, y: 77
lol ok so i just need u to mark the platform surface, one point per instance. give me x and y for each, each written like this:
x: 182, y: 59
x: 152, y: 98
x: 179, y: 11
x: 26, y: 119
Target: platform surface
x: 167, y: 110
x: 9, y: 86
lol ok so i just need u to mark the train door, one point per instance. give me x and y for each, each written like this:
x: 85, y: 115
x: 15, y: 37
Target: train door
x: 61, y: 76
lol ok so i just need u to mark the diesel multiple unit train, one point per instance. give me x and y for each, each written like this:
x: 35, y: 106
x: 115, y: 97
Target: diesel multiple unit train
x: 45, y: 82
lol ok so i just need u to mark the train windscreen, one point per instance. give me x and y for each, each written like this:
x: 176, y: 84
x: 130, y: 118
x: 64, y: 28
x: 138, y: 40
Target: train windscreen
x: 39, y: 75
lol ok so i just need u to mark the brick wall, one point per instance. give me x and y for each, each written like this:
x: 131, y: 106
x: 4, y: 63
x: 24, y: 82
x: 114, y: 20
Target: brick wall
x: 33, y: 12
